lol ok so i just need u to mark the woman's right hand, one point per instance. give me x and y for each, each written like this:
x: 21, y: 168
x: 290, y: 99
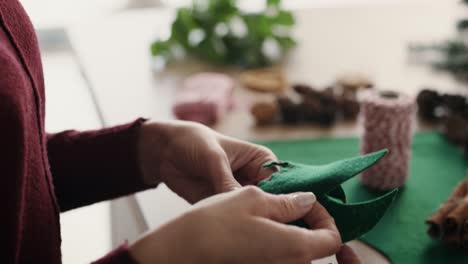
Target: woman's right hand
x: 243, y: 226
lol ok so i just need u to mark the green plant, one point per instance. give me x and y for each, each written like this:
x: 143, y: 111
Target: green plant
x: 454, y: 53
x: 219, y: 32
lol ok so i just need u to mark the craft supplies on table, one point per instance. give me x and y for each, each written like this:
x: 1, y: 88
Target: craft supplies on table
x: 272, y: 80
x: 308, y: 105
x: 204, y: 98
x: 388, y: 119
x: 264, y: 112
x: 448, y: 112
x: 449, y: 222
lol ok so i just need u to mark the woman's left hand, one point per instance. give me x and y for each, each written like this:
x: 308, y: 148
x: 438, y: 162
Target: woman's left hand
x: 196, y: 162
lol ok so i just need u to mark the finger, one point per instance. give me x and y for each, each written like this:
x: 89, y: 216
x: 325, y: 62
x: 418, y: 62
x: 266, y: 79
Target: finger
x: 324, y: 229
x: 221, y: 173
x: 319, y: 218
x: 246, y: 160
x: 286, y: 207
x: 303, y: 244
x: 227, y: 183
x: 306, y: 244
x: 346, y: 255
x: 264, y: 173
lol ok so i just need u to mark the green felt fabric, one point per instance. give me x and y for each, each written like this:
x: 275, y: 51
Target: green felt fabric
x: 352, y: 219
x: 436, y: 167
x: 320, y: 179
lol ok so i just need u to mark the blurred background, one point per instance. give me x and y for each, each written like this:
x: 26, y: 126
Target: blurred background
x: 72, y: 101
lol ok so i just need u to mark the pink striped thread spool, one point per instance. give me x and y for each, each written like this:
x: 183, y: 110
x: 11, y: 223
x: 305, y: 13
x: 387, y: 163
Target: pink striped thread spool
x: 388, y: 119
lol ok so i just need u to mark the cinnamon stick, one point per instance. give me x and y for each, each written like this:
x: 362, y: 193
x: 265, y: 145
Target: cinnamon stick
x: 454, y: 221
x: 436, y: 222
x: 465, y: 234
x: 460, y: 191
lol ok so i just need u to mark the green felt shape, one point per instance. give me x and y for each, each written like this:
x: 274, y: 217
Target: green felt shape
x: 319, y: 179
x: 354, y: 219
x: 436, y: 167
x: 338, y: 193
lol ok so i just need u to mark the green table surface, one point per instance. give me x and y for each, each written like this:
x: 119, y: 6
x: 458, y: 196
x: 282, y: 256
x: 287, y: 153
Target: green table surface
x: 436, y: 167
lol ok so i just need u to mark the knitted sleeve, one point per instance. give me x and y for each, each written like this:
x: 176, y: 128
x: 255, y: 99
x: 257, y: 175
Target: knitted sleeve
x: 93, y: 166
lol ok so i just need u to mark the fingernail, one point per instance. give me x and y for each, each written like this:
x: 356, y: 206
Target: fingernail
x: 305, y: 200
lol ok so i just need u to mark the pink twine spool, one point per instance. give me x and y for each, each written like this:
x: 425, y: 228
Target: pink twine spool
x: 205, y: 98
x: 388, y: 123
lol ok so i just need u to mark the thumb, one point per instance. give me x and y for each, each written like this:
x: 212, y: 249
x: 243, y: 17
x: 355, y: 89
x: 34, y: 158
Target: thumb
x: 289, y: 207
x: 221, y: 174
x: 347, y: 256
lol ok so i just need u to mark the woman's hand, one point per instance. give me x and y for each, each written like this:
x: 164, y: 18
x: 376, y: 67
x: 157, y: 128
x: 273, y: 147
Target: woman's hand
x: 346, y: 255
x: 244, y: 226
x: 196, y: 162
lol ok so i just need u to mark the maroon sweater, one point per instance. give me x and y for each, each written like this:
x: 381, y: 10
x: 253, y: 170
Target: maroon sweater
x: 43, y: 175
